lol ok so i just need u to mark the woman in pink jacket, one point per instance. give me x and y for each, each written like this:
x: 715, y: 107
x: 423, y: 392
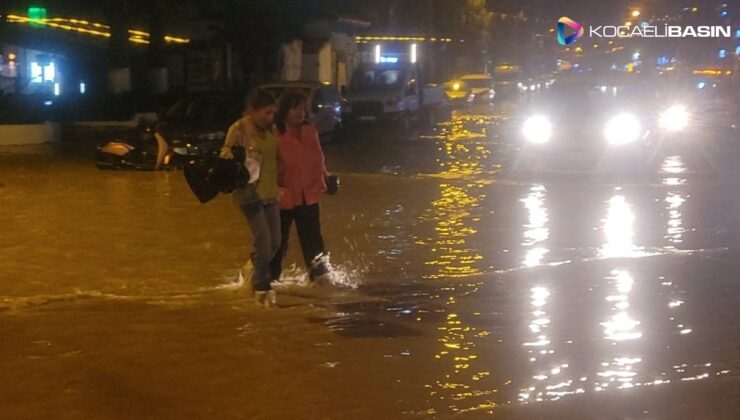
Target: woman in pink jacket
x: 301, y: 176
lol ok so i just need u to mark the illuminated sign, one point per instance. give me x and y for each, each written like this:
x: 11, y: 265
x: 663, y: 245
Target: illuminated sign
x: 36, y: 14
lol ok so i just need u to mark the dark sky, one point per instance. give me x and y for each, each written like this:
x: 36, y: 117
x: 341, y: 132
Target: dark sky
x: 587, y: 10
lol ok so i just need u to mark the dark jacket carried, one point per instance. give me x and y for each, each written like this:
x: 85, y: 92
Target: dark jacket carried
x: 210, y: 175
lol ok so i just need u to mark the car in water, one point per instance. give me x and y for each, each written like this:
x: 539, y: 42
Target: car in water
x: 506, y: 78
x: 481, y: 86
x: 324, y: 105
x: 458, y: 93
x: 587, y: 124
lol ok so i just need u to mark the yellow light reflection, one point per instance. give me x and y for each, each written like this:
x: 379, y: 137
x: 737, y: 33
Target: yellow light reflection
x: 465, y: 386
x: 453, y: 257
x: 455, y: 212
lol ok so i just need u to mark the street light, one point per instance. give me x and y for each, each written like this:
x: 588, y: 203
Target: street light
x: 635, y: 13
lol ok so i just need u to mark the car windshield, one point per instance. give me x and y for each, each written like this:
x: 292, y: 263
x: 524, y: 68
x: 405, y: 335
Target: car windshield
x: 377, y: 79
x: 594, y: 91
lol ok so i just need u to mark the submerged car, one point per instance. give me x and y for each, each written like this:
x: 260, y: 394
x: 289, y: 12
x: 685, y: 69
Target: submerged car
x: 458, y: 93
x: 481, y: 86
x: 587, y: 125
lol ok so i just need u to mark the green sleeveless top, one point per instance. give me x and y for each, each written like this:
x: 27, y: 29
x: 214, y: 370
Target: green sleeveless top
x: 263, y: 146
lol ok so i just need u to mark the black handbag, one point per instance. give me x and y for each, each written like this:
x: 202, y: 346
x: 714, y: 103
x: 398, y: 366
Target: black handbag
x: 209, y: 175
x: 230, y: 174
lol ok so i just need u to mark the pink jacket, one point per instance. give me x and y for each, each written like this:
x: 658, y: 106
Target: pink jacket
x: 302, y: 167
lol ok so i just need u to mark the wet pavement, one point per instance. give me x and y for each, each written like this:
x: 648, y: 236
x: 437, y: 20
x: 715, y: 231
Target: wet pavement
x: 462, y: 290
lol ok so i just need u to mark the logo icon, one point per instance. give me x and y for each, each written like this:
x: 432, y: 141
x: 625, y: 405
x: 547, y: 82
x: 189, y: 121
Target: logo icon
x: 572, y: 24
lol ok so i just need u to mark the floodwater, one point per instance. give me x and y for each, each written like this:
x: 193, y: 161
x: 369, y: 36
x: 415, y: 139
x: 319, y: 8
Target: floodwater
x: 461, y: 291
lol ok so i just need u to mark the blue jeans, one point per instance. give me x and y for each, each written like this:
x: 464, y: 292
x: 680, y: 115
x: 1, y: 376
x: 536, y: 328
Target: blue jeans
x: 263, y: 218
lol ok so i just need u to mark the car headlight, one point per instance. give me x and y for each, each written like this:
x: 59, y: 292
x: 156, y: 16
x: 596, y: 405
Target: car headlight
x: 537, y: 129
x: 674, y: 118
x: 622, y: 129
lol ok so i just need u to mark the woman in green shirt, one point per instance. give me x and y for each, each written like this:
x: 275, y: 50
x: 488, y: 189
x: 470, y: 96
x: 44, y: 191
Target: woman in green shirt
x: 258, y: 201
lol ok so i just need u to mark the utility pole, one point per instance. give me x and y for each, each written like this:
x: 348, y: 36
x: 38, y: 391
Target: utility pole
x: 158, y: 78
x: 119, y: 68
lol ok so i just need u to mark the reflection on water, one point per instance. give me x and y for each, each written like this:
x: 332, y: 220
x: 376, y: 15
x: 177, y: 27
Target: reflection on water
x: 456, y: 215
x: 464, y: 127
x: 452, y: 257
x: 621, y: 326
x: 457, y: 211
x: 551, y: 377
x: 619, y: 371
x: 675, y: 229
x: 536, y: 230
x: 673, y: 166
x: 618, y: 228
x: 674, y: 200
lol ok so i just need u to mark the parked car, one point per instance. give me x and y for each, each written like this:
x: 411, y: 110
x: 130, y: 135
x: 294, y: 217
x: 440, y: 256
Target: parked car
x: 481, y: 86
x: 324, y: 105
x: 458, y: 93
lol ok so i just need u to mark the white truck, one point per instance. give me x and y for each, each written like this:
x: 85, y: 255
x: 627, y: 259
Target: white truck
x: 388, y: 87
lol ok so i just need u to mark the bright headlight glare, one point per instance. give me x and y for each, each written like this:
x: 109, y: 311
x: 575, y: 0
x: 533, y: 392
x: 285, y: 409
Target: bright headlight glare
x: 622, y: 129
x: 537, y: 129
x: 674, y: 118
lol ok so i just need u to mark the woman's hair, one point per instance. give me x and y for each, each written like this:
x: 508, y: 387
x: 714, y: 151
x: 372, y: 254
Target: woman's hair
x: 290, y: 99
x: 259, y: 98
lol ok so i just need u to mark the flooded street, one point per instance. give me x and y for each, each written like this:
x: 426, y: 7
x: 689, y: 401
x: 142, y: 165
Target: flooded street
x: 463, y: 290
